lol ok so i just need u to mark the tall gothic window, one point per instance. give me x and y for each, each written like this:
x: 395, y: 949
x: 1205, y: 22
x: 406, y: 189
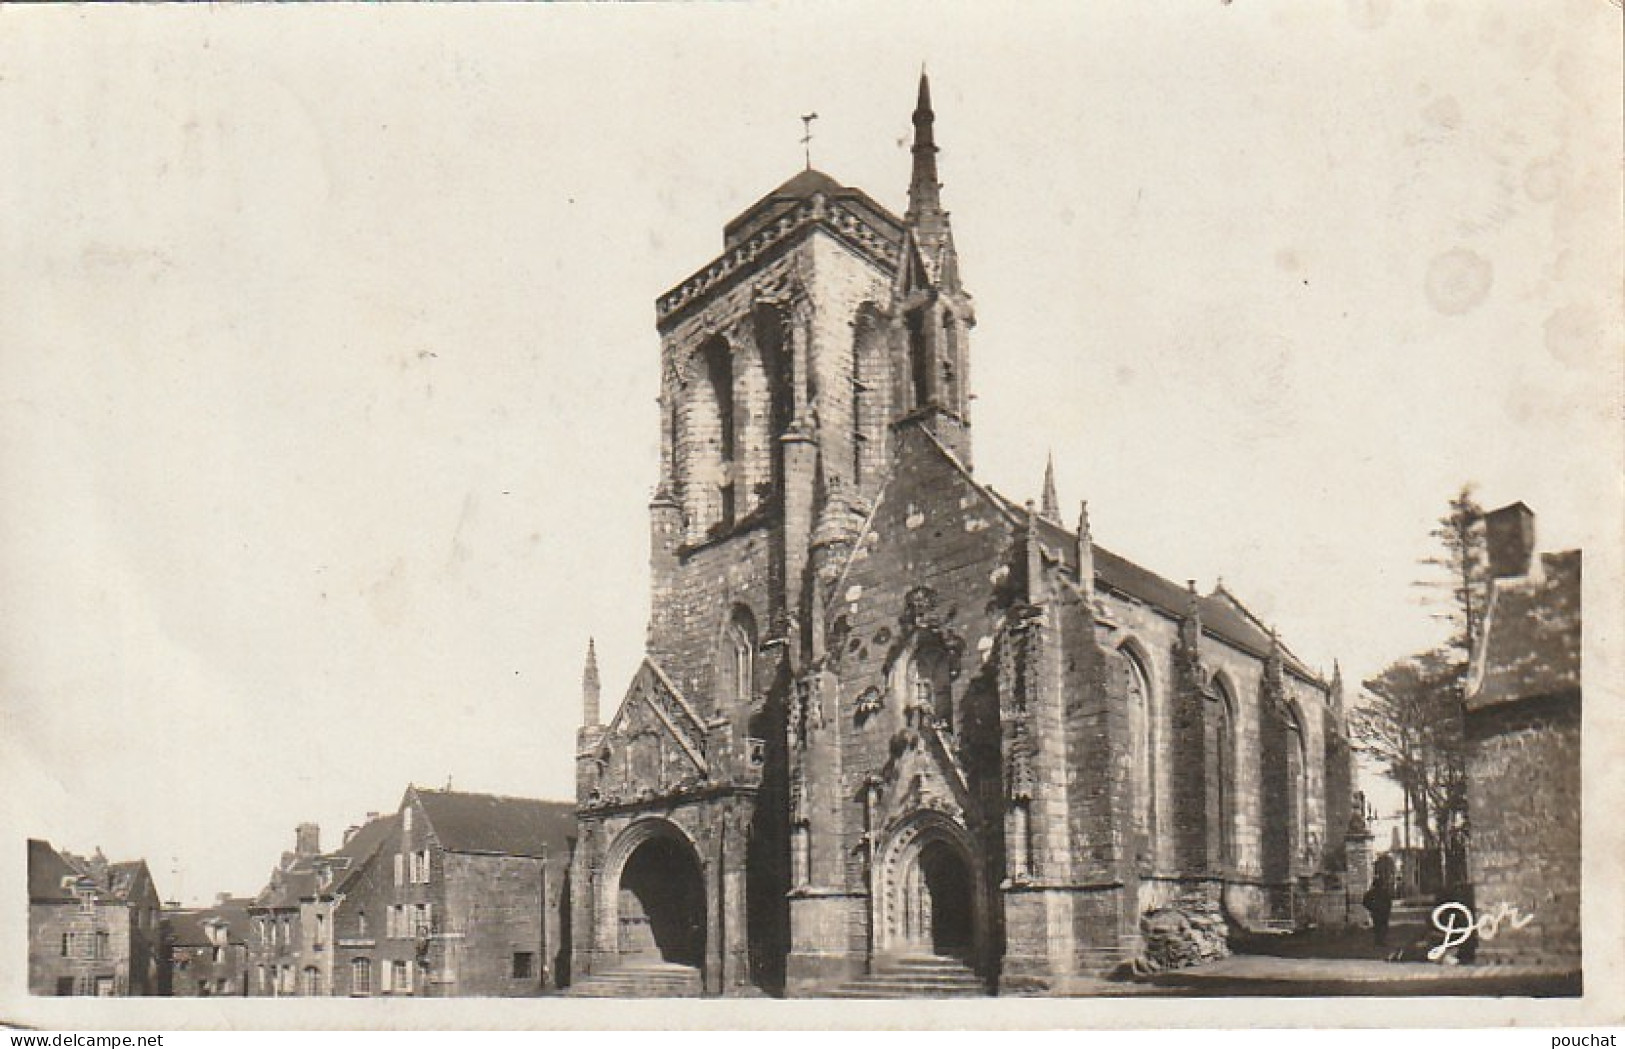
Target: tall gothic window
x: 1296, y: 777
x: 1224, y: 744
x: 1142, y: 746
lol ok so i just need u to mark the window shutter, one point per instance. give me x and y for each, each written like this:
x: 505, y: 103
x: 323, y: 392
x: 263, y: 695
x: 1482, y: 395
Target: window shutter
x: 386, y: 978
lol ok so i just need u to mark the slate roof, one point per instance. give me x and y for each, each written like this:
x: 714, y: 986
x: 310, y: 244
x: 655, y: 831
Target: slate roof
x: 494, y: 825
x: 288, y: 886
x: 128, y: 878
x: 46, y: 871
x: 48, y: 866
x: 798, y: 187
x: 187, y: 926
x: 1222, y: 613
x: 349, y: 858
x: 1531, y: 647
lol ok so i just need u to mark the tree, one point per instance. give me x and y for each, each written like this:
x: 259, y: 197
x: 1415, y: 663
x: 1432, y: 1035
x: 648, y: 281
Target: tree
x: 1463, y: 562
x: 1412, y: 717
x: 1410, y: 724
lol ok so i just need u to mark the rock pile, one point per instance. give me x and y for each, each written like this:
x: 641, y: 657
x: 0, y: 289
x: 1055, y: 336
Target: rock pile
x: 1188, y: 930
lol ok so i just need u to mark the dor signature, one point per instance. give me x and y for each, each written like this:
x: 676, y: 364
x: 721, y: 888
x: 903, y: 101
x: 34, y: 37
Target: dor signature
x: 1457, y: 923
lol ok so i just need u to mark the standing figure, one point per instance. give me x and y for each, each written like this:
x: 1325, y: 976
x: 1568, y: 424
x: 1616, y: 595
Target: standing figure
x: 1379, y: 899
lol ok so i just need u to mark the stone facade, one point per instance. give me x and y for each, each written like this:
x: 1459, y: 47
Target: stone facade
x: 94, y: 927
x: 886, y: 711
x: 207, y: 949
x: 1523, y: 768
x: 460, y: 897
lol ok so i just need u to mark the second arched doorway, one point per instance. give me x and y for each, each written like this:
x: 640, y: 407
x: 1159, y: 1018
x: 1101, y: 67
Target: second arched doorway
x: 930, y: 899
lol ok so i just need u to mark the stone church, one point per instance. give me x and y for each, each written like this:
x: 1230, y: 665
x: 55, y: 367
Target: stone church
x: 889, y: 721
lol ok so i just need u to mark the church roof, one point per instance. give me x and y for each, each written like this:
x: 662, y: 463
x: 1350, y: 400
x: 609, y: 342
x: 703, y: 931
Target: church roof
x: 1222, y: 615
x: 804, y: 185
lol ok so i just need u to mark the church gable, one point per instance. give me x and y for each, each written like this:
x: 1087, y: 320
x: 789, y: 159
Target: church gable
x: 911, y: 628
x: 654, y: 746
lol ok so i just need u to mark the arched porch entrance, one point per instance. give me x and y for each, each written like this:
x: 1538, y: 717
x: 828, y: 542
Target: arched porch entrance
x: 931, y: 893
x: 656, y: 908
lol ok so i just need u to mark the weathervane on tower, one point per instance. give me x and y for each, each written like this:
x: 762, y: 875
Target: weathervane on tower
x: 806, y: 137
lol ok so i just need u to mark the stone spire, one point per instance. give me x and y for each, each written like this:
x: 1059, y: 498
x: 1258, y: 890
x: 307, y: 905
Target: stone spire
x: 589, y: 688
x: 925, y: 212
x: 1051, y: 506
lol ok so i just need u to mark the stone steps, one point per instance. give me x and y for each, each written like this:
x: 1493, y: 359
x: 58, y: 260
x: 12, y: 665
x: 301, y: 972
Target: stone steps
x: 640, y: 980
x: 915, y: 977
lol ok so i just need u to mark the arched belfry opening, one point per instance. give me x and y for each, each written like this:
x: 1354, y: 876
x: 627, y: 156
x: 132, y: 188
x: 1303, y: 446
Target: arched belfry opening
x: 708, y: 439
x: 869, y: 395
x: 764, y: 404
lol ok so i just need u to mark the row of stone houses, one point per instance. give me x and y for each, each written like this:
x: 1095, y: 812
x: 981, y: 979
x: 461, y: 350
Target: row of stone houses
x: 453, y: 894
x: 93, y: 926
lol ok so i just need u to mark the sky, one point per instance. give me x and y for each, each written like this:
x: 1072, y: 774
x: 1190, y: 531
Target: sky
x: 328, y: 357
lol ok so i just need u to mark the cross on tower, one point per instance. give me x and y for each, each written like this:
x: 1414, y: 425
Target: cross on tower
x: 806, y: 137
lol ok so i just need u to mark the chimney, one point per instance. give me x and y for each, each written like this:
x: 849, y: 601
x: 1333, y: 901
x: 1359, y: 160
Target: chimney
x: 222, y: 898
x: 1509, y: 538
x: 307, y: 839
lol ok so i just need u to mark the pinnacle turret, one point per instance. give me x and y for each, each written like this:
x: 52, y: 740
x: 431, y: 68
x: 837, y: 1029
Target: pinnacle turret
x: 589, y: 687
x: 1050, y: 507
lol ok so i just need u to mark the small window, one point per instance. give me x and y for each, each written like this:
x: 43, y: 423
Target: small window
x: 361, y: 923
x: 403, y: 982
x: 361, y: 976
x: 524, y: 965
